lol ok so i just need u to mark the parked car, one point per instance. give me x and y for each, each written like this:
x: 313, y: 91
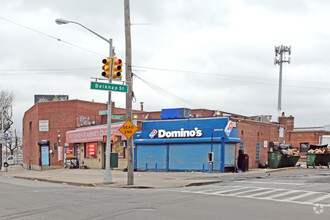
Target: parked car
x: 11, y: 160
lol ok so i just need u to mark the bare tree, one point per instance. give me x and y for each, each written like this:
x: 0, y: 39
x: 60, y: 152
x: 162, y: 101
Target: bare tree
x: 15, y: 143
x: 6, y: 105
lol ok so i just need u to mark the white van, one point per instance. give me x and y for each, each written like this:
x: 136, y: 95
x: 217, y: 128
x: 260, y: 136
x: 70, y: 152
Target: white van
x: 11, y: 160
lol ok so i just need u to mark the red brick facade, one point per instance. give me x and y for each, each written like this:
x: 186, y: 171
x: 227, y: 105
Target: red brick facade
x: 68, y: 115
x: 62, y: 116
x: 255, y: 135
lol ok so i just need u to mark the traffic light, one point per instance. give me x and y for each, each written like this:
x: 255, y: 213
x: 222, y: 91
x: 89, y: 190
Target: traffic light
x: 106, y: 67
x: 117, y: 68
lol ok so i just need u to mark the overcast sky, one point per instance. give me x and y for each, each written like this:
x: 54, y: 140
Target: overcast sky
x: 212, y: 54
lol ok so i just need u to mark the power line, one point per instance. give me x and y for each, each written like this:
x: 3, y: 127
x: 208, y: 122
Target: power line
x: 244, y: 79
x: 167, y: 94
x: 50, y: 36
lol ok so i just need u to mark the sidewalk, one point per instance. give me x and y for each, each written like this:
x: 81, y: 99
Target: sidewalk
x: 94, y: 177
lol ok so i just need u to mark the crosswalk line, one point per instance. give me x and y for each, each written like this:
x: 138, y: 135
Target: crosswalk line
x: 247, y: 191
x: 228, y: 190
x: 262, y: 193
x: 300, y: 196
x: 282, y: 194
x: 319, y: 199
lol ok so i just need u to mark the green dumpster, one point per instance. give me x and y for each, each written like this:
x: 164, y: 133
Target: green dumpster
x: 114, y: 160
x: 317, y: 159
x: 277, y: 160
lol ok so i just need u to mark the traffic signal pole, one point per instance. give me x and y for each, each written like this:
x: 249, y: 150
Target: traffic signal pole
x: 107, y: 174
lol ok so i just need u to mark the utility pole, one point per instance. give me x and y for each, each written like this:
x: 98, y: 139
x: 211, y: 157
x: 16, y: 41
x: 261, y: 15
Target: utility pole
x: 279, y: 59
x: 128, y: 67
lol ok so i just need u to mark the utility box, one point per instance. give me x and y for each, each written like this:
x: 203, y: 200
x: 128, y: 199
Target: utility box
x: 210, y: 157
x: 114, y: 160
x: 175, y: 113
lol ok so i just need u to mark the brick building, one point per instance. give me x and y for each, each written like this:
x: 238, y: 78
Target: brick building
x: 255, y: 132
x: 49, y: 122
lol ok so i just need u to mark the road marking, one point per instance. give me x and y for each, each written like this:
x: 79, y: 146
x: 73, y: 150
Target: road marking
x: 211, y: 190
x: 228, y: 190
x: 247, y: 191
x: 277, y: 183
x: 262, y: 193
x: 319, y: 199
x: 275, y: 197
x: 300, y: 196
x: 287, y: 192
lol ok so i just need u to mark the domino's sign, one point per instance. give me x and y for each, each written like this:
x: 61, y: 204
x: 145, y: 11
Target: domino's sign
x: 176, y: 134
x: 228, y: 128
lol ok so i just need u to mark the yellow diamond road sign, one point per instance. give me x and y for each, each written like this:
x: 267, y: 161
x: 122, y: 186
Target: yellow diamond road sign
x: 128, y: 129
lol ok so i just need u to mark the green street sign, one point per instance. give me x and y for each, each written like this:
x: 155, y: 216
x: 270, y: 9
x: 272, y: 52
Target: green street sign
x: 109, y: 87
x: 118, y: 117
x: 104, y: 112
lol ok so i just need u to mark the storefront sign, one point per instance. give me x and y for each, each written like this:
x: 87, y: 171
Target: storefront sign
x: 43, y: 125
x: 91, y: 134
x: 68, y: 152
x: 176, y: 134
x: 50, y: 98
x: 91, y: 150
x: 228, y: 128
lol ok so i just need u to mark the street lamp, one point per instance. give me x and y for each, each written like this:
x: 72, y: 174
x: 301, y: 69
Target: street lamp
x: 107, y: 174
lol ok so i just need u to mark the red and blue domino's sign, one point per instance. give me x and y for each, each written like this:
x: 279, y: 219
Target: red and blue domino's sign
x: 228, y: 128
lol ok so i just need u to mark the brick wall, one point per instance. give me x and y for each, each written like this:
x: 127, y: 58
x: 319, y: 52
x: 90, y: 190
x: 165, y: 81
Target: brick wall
x: 251, y: 133
x: 62, y: 116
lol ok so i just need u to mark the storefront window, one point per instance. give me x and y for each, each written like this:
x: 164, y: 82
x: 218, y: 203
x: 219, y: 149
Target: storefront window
x: 91, y: 150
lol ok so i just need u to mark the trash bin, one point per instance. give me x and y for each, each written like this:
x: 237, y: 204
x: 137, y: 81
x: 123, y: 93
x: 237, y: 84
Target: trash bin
x: 243, y: 161
x: 276, y: 159
x: 318, y: 155
x: 317, y: 160
x: 114, y: 160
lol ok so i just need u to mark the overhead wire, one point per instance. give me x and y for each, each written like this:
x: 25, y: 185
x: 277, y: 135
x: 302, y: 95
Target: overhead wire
x: 166, y: 93
x: 244, y: 79
x: 50, y: 36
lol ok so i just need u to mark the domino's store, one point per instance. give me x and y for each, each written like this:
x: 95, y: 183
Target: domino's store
x: 187, y: 144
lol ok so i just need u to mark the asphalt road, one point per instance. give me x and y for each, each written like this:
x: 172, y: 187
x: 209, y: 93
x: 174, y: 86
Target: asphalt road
x: 303, y: 194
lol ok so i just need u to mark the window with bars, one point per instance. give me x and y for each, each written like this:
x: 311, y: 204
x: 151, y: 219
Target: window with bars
x: 258, y: 151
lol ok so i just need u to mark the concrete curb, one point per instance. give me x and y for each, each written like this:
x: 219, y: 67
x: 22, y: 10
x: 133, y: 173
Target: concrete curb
x: 55, y: 181
x: 203, y: 183
x: 282, y: 169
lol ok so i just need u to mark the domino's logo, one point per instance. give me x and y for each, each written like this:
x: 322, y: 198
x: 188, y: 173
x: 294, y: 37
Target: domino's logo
x: 228, y: 128
x: 153, y: 133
